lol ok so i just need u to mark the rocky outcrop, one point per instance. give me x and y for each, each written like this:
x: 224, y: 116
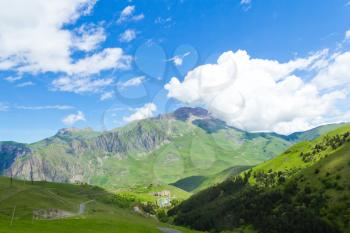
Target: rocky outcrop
x: 36, y: 169
x: 139, y: 139
x: 9, y: 151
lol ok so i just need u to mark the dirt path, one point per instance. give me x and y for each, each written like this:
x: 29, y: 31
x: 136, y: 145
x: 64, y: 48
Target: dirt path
x: 82, y: 206
x: 168, y: 230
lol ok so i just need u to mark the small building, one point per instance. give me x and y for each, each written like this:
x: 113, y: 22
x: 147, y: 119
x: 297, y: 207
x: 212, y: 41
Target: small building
x: 164, y: 202
x: 163, y: 193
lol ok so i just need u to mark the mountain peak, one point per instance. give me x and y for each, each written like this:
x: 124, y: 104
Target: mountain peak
x: 184, y: 113
x: 65, y: 131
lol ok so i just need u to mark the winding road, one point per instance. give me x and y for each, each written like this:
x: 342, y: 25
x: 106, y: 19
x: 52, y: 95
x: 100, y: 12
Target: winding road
x: 168, y: 230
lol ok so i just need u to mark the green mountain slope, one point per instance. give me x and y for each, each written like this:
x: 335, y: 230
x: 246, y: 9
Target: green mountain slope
x: 161, y: 150
x: 52, y: 207
x: 305, y: 189
x: 314, y: 133
x: 197, y: 183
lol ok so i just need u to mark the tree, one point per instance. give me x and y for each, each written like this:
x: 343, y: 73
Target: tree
x: 31, y: 172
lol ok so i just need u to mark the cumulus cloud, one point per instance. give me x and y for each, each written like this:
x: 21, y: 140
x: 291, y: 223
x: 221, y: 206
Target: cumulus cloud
x: 49, y: 45
x: 88, y: 37
x: 106, y: 95
x: 127, y: 14
x: 136, y: 81
x: 73, y: 118
x: 258, y: 94
x: 127, y: 36
x: 335, y: 74
x: 144, y: 112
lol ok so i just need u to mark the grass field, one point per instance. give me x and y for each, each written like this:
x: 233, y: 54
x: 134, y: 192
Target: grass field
x: 145, y: 193
x: 101, y: 215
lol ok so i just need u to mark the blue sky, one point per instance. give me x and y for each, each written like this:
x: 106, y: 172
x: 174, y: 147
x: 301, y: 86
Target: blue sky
x: 103, y: 64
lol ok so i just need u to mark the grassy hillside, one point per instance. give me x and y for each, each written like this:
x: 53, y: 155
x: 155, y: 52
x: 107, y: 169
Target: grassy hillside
x: 305, y: 189
x: 103, y: 211
x: 196, y: 183
x: 303, y: 154
x: 314, y: 133
x: 146, y: 193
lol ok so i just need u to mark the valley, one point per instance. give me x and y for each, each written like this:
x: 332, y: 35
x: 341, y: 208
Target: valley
x: 169, y: 169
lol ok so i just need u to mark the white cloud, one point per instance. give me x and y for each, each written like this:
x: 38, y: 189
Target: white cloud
x: 107, y: 95
x: 178, y: 59
x: 73, y: 118
x: 160, y: 20
x: 3, y: 107
x: 12, y: 79
x: 46, y: 107
x: 46, y: 45
x: 127, y: 36
x: 82, y: 82
x: 246, y: 4
x: 347, y: 35
x: 336, y: 74
x: 127, y: 14
x: 77, y: 84
x: 34, y: 38
x: 109, y: 58
x: 257, y: 94
x: 88, y: 37
x: 138, y: 17
x: 136, y: 81
x: 25, y: 84
x: 144, y: 112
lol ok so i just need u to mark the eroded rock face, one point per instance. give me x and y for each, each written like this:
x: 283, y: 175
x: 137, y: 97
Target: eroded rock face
x: 9, y: 151
x: 36, y: 169
x: 142, y: 138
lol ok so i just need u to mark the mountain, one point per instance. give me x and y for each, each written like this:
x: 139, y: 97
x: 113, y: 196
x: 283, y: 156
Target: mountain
x: 160, y: 150
x: 70, y: 209
x: 305, y: 189
x: 313, y: 133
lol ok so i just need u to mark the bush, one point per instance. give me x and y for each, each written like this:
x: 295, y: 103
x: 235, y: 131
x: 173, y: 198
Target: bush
x: 162, y: 216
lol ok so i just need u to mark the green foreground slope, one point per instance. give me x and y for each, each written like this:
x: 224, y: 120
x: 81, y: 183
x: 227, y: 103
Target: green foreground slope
x: 306, y: 189
x: 102, y: 212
